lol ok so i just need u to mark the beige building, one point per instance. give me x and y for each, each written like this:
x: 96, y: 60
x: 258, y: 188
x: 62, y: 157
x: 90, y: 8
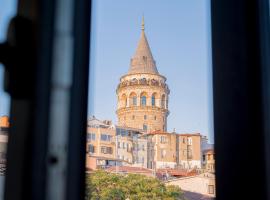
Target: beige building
x: 189, y: 146
x: 131, y: 146
x: 173, y: 150
x: 208, y: 160
x: 162, y: 150
x: 100, y: 144
x: 4, y: 121
x: 110, y: 145
x: 143, y: 93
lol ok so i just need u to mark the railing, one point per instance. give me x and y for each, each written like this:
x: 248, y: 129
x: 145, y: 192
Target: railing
x: 147, y: 82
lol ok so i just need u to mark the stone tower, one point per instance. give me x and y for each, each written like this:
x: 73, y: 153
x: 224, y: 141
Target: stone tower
x: 143, y: 93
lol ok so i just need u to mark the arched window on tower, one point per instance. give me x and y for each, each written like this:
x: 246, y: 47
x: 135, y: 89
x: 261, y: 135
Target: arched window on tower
x: 163, y: 101
x: 133, y: 99
x: 143, y: 99
x: 153, y: 100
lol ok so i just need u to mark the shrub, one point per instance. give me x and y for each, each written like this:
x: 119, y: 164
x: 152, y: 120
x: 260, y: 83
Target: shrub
x: 102, y: 185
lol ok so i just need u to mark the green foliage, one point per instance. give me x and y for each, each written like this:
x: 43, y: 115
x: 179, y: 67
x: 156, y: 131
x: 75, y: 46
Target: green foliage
x: 102, y: 185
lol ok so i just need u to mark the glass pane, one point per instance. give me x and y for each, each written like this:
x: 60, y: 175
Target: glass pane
x: 151, y: 94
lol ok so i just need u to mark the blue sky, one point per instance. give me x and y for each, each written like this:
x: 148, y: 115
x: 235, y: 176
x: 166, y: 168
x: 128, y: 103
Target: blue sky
x: 178, y: 32
x: 7, y: 10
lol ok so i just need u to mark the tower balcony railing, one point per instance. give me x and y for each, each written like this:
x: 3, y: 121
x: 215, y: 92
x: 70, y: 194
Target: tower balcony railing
x: 134, y: 108
x: 144, y: 83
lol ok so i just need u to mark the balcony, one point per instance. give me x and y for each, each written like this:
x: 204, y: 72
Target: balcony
x: 143, y: 81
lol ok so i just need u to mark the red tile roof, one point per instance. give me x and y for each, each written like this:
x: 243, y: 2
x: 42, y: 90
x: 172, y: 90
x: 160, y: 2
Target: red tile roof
x: 128, y: 169
x: 177, y: 172
x: 164, y: 132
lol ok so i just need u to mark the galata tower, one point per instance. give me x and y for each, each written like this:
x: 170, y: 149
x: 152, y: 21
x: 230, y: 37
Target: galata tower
x: 143, y: 93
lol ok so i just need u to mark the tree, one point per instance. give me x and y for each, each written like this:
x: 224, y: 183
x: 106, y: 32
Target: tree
x: 102, y: 185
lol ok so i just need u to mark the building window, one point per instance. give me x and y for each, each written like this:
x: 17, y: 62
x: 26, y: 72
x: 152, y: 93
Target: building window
x: 140, y: 160
x: 184, y: 140
x: 144, y: 58
x: 143, y: 100
x: 143, y: 147
x: 211, y: 189
x: 189, y: 141
x: 137, y: 147
x: 208, y: 156
x: 106, y: 150
x: 119, y: 145
x: 133, y: 117
x: 91, y: 148
x: 127, y: 146
x: 145, y: 127
x: 124, y: 145
x: 91, y: 136
x: 133, y: 99
x: 155, y: 117
x: 163, y: 153
x: 163, y: 139
x: 153, y: 100
x: 203, y: 157
x: 145, y: 117
x: 105, y: 137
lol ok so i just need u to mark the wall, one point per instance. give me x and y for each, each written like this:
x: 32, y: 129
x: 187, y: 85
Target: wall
x: 198, y: 184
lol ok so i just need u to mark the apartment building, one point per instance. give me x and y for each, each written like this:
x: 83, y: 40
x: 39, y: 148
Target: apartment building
x: 100, y: 144
x: 208, y: 160
x: 173, y: 150
x: 110, y: 145
x: 162, y: 150
x: 189, y: 151
x: 131, y: 146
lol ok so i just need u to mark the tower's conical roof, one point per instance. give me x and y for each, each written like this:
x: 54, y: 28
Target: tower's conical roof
x: 143, y: 61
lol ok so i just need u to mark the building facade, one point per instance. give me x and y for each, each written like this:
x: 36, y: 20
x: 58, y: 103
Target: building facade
x: 109, y: 145
x: 162, y: 150
x: 189, y: 153
x: 173, y: 150
x: 100, y: 146
x: 208, y: 160
x: 4, y: 129
x: 143, y: 93
x: 131, y: 146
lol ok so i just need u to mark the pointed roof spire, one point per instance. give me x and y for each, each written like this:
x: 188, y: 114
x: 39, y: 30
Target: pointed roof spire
x: 143, y: 22
x: 143, y: 61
